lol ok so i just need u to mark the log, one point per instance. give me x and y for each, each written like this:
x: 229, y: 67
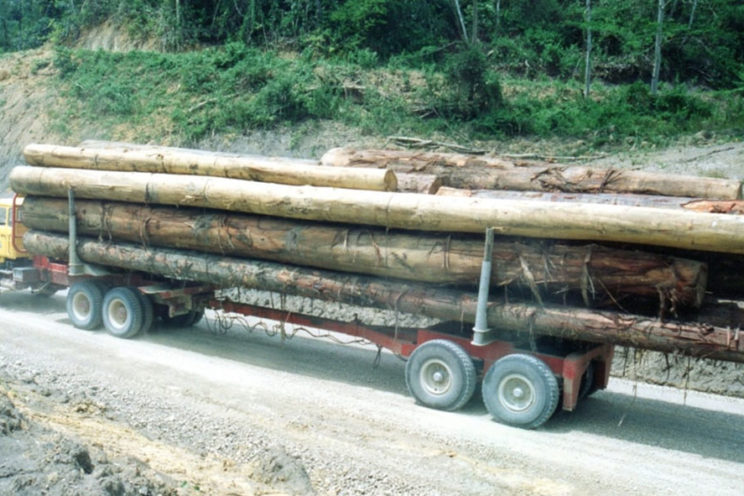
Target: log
x: 481, y: 172
x: 427, y: 184
x: 446, y: 304
x: 680, y: 229
x: 716, y: 207
x: 547, y: 270
x: 414, y: 160
x: 627, y: 199
x: 141, y: 158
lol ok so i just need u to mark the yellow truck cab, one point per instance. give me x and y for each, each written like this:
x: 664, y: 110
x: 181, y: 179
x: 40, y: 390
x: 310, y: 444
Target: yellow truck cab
x: 11, y: 232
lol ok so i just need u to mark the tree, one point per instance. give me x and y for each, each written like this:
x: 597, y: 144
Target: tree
x: 657, y: 47
x: 460, y: 19
x: 588, y: 59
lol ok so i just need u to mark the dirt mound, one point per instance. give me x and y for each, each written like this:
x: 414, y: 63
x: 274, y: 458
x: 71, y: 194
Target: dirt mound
x: 282, y: 472
x: 110, y: 37
x: 38, y: 460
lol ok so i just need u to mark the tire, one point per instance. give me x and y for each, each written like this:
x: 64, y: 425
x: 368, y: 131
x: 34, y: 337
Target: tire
x: 440, y: 374
x: 520, y: 390
x: 122, y: 312
x: 46, y: 291
x: 198, y: 316
x: 148, y: 311
x: 185, y: 319
x: 587, y: 382
x: 84, y: 303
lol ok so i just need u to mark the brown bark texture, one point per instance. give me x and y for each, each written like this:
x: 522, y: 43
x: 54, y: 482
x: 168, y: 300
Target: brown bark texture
x: 427, y: 184
x: 160, y: 159
x: 446, y: 304
x: 680, y: 229
x: 547, y: 270
x: 483, y: 172
x: 716, y: 207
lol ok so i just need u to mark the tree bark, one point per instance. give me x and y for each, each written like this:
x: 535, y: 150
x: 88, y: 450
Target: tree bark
x: 716, y: 207
x: 427, y: 184
x: 680, y: 229
x: 546, y: 270
x: 143, y: 158
x: 484, y: 172
x: 446, y: 304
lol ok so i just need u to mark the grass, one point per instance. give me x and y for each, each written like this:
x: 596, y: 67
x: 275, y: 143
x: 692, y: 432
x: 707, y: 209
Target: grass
x: 232, y: 89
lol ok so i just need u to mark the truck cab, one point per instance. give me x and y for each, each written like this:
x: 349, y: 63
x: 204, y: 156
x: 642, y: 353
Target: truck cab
x: 11, y: 232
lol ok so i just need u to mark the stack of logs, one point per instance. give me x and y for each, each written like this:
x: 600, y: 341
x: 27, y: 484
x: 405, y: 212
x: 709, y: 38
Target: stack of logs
x: 578, y: 248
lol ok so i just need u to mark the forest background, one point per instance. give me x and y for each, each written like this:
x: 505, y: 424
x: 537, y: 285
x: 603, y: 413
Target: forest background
x: 605, y: 72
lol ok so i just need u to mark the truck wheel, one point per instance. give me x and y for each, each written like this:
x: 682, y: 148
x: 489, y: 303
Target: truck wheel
x: 587, y: 382
x: 187, y: 319
x: 440, y: 374
x: 148, y: 311
x: 520, y: 390
x: 122, y: 312
x: 84, y: 305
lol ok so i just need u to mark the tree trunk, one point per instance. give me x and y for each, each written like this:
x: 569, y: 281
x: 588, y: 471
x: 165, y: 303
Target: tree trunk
x: 142, y: 158
x: 630, y: 200
x: 446, y: 304
x: 427, y: 184
x: 588, y: 55
x: 680, y: 229
x: 474, y: 34
x: 461, y: 20
x: 545, y: 270
x: 484, y: 172
x: 716, y: 207
x: 657, y: 47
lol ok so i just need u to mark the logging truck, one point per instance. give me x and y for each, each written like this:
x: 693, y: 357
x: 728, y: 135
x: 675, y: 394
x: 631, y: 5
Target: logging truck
x: 525, y: 376
x: 163, y: 232
x: 524, y: 379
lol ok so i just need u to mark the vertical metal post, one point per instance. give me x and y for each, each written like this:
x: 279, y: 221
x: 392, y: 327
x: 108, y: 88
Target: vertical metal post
x: 75, y: 268
x: 481, y: 315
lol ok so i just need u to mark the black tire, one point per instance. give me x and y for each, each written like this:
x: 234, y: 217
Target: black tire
x: 46, y: 291
x: 122, y: 312
x: 84, y: 303
x: 185, y: 319
x: 520, y: 390
x: 148, y: 311
x: 440, y: 374
x: 587, y: 382
x: 198, y: 316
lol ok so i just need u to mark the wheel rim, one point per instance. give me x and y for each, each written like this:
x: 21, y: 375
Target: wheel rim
x: 436, y: 377
x: 117, y: 313
x: 516, y: 393
x: 81, y: 306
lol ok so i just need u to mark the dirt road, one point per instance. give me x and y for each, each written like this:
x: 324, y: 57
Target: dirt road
x: 244, y: 413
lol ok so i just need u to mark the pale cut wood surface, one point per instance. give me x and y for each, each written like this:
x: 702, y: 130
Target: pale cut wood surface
x: 143, y: 158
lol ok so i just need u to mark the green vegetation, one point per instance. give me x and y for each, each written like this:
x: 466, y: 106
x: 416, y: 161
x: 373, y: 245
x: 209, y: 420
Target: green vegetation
x: 493, y: 69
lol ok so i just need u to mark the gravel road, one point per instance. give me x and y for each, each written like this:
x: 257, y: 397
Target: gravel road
x: 243, y: 413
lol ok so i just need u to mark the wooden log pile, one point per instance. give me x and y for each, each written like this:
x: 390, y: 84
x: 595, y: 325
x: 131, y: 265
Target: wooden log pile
x: 570, y: 239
